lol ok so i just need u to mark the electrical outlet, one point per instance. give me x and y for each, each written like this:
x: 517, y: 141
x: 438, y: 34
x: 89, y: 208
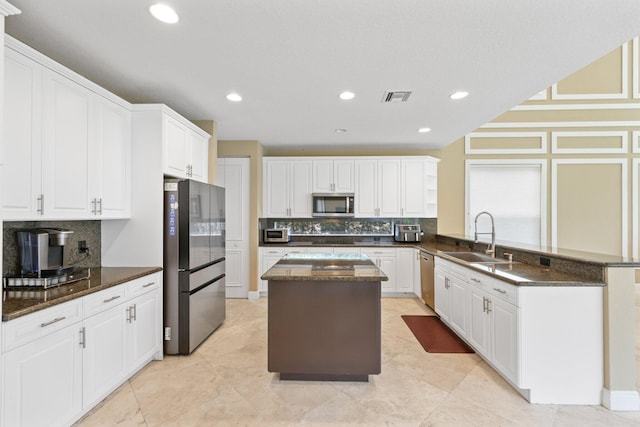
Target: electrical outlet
x: 82, y: 247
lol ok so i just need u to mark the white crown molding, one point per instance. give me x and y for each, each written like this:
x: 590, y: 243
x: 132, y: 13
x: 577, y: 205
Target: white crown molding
x: 585, y: 124
x: 7, y: 9
x: 577, y: 107
x: 624, y: 94
x: 510, y: 135
x: 624, y: 196
x: 624, y: 136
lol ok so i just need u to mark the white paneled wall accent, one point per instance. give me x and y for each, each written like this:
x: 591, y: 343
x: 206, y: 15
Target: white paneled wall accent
x: 541, y: 136
x: 556, y: 141
x: 635, y: 210
x: 557, y: 163
x: 636, y: 141
x: 623, y: 94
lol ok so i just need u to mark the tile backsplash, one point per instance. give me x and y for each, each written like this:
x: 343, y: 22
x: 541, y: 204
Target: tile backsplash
x: 88, y: 231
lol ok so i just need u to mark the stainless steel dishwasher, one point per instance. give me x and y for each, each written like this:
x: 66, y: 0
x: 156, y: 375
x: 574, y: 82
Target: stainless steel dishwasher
x: 427, y: 279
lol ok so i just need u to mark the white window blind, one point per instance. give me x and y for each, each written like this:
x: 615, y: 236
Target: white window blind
x: 514, y: 194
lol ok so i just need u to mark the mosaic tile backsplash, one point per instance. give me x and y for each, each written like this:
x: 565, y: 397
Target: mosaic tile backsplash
x: 88, y: 231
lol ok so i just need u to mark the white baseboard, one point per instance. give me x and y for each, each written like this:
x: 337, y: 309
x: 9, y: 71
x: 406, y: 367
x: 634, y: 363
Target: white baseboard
x: 253, y: 295
x: 621, y: 400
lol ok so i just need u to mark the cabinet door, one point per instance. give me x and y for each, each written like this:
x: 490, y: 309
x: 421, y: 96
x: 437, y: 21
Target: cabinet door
x: 67, y: 120
x: 442, y: 295
x: 504, y: 332
x: 22, y: 137
x: 42, y: 383
x: 478, y: 333
x: 414, y: 195
x: 458, y: 310
x: 198, y: 157
x: 322, y: 176
x: 145, y: 329
x: 343, y: 176
x: 175, y: 146
x: 366, y: 194
x: 276, y: 191
x: 268, y: 261
x: 300, y: 189
x: 111, y: 170
x: 104, y: 358
x: 404, y: 270
x: 389, y: 197
x: 388, y: 266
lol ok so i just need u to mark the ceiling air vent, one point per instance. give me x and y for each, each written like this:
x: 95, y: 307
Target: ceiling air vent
x: 396, y: 96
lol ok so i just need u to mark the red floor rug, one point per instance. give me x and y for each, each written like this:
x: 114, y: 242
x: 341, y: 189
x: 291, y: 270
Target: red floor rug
x: 435, y: 336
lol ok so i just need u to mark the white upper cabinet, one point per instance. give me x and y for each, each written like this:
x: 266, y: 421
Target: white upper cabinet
x: 387, y: 187
x: 287, y: 188
x: 185, y: 151
x: 333, y: 176
x: 22, y: 137
x: 66, y: 144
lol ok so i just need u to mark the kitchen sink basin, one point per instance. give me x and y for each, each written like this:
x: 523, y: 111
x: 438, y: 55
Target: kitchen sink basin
x: 477, y: 258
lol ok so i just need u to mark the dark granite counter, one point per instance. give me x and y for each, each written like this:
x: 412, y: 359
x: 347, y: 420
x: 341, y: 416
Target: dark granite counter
x: 16, y: 303
x: 325, y: 267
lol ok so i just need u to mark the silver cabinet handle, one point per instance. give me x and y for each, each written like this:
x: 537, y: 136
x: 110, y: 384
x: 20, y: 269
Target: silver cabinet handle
x: 475, y: 280
x: 502, y: 291
x: 488, y: 306
x: 41, y: 204
x: 51, y: 322
x: 128, y: 314
x: 99, y: 203
x: 111, y: 299
x: 83, y: 337
x: 149, y: 284
x: 134, y: 310
x: 93, y: 206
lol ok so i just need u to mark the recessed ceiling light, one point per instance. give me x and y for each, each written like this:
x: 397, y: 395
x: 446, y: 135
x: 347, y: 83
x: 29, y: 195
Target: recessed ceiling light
x: 459, y: 95
x: 346, y: 95
x: 234, y: 97
x: 340, y: 130
x: 424, y: 130
x: 164, y: 13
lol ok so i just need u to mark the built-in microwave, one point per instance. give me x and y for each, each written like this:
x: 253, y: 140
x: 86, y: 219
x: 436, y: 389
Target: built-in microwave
x: 276, y: 235
x: 333, y: 204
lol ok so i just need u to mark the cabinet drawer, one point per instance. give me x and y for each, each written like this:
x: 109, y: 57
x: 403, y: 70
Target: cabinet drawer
x: 32, y: 326
x: 495, y: 287
x: 374, y: 253
x: 143, y: 285
x: 103, y: 300
x: 295, y: 251
x: 273, y: 251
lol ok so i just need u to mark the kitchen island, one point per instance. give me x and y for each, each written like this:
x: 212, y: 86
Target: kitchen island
x: 324, y: 317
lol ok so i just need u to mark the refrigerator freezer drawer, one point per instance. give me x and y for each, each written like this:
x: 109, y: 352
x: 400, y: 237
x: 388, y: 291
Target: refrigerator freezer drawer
x: 193, y: 280
x: 206, y: 312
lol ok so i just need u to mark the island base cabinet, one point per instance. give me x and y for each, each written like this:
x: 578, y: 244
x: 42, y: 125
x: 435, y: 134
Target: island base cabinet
x: 561, y: 338
x: 43, y: 381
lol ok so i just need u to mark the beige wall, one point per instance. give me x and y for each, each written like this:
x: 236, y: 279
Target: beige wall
x: 590, y: 112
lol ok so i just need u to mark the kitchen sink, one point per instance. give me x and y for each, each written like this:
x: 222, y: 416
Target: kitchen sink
x: 476, y: 257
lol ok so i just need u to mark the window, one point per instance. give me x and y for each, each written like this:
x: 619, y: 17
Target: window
x: 514, y: 192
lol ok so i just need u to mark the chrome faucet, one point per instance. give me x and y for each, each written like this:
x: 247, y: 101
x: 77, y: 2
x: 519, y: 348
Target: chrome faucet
x: 491, y: 249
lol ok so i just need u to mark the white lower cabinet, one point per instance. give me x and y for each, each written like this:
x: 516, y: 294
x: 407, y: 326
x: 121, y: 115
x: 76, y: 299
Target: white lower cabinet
x: 43, y: 381
x: 385, y: 259
x: 79, y: 352
x: 547, y: 341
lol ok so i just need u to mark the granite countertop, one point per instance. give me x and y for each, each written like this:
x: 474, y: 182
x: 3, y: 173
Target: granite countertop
x: 16, y: 303
x: 325, y: 267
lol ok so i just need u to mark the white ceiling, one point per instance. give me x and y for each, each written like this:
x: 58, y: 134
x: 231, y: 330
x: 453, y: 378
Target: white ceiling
x: 290, y: 59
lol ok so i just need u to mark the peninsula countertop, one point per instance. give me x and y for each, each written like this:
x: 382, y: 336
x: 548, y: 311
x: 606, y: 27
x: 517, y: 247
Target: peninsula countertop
x: 325, y: 267
x: 21, y: 301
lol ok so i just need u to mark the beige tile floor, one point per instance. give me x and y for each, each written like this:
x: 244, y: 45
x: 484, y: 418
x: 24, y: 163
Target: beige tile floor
x: 225, y: 383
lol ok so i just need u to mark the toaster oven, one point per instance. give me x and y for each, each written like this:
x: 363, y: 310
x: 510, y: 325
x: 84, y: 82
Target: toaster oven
x: 276, y: 235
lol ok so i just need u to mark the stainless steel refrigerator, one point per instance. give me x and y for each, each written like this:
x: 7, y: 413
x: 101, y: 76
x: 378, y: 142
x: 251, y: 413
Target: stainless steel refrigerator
x: 194, y: 263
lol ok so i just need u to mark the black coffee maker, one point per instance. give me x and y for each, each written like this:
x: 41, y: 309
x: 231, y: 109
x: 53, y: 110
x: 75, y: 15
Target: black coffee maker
x: 44, y: 252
